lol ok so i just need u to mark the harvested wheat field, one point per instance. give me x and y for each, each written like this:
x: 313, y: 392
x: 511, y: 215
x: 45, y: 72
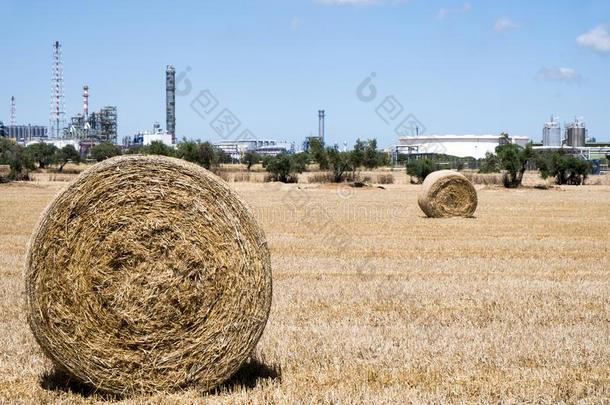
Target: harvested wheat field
x: 374, y: 302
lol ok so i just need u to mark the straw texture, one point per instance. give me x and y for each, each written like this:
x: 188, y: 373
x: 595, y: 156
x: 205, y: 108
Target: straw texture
x: 148, y: 274
x: 446, y: 193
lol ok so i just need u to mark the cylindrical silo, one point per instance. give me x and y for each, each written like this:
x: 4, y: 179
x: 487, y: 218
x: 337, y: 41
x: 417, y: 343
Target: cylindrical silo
x: 551, y: 133
x: 576, y: 134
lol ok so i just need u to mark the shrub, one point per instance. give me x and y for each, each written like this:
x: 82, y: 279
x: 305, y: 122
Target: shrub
x: 14, y: 155
x: 41, y: 153
x: 421, y: 168
x: 566, y: 169
x: 318, y: 153
x: 202, y: 153
x: 158, y: 148
x: 66, y: 154
x: 250, y: 159
x: 513, y: 160
x: 283, y: 168
x: 341, y: 164
x: 104, y: 150
x: 491, y: 164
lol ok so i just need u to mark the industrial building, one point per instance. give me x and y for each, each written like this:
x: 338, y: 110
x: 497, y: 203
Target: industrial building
x: 58, y: 143
x: 145, y: 138
x: 26, y: 133
x: 475, y: 146
x: 574, y: 140
x: 100, y: 126
x: 266, y: 147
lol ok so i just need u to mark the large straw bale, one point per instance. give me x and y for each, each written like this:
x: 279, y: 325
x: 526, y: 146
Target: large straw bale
x: 446, y: 193
x: 148, y: 274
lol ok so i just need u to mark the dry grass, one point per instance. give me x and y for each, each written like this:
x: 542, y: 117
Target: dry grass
x: 488, y: 179
x: 384, y: 178
x: 601, y: 180
x: 375, y: 303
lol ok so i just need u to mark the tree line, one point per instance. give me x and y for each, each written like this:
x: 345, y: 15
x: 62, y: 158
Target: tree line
x: 341, y: 165
x: 44, y: 155
x: 513, y: 160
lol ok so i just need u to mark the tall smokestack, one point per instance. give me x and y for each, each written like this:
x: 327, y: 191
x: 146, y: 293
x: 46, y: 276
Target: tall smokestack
x: 321, y: 116
x: 86, y: 101
x: 170, y: 101
x: 13, y: 112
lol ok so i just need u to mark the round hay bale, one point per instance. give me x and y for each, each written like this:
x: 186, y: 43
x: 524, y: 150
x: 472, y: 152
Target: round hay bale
x: 148, y: 274
x: 446, y: 193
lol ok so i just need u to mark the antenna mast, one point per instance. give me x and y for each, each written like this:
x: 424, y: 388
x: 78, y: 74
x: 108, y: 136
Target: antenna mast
x: 57, y: 117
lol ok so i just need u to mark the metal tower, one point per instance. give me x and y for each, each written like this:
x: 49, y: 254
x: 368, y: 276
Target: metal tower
x: 57, y: 117
x: 170, y: 101
x: 13, y: 112
x: 321, y: 116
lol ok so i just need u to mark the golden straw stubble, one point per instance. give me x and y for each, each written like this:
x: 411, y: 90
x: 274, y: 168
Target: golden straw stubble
x: 148, y: 274
x: 446, y: 193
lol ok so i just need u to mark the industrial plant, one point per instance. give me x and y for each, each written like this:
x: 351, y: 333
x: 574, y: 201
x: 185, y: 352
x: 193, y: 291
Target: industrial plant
x: 574, y: 140
x: 90, y: 127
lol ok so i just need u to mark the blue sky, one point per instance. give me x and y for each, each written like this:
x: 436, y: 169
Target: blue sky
x: 458, y: 67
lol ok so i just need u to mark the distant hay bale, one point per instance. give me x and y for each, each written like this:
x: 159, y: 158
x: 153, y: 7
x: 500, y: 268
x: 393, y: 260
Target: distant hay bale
x: 148, y: 274
x: 5, y: 171
x: 446, y: 193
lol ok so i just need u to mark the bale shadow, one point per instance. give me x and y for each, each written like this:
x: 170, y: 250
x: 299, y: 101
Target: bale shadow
x: 59, y: 380
x: 249, y: 375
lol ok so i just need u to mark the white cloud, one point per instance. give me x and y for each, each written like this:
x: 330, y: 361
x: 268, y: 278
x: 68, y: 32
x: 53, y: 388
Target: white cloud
x: 559, y: 74
x: 446, y: 12
x: 598, y: 39
x: 296, y: 23
x: 359, y: 2
x: 504, y: 24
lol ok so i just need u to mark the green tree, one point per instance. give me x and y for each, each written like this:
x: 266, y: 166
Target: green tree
x: 104, y: 150
x: 188, y: 150
x: 14, y: 155
x: 341, y: 163
x: 383, y: 159
x: 66, y: 154
x: 490, y: 164
x: 300, y: 161
x: 371, y: 158
x: 284, y: 168
x: 250, y: 159
x: 158, y: 148
x: 358, y: 153
x: 513, y: 159
x: 41, y: 153
x: 421, y: 168
x: 202, y: 153
x: 207, y: 155
x: 222, y: 156
x: 566, y: 169
x: 318, y: 153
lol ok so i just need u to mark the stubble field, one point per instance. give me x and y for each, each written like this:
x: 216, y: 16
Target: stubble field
x: 373, y: 303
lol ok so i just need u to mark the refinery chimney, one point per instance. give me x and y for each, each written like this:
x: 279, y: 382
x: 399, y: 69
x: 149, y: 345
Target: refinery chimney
x: 170, y: 101
x: 86, y: 101
x: 321, y: 116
